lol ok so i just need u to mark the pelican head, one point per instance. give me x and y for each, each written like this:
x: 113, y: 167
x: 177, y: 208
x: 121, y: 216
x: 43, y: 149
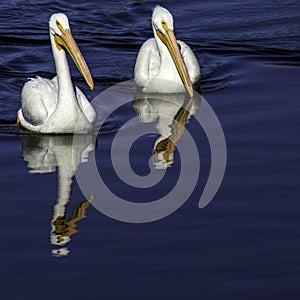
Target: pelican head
x: 162, y: 19
x: 63, y: 39
x: 163, y: 28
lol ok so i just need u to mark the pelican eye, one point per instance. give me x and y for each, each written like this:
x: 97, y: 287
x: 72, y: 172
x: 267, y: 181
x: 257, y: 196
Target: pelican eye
x: 164, y: 25
x: 59, y: 26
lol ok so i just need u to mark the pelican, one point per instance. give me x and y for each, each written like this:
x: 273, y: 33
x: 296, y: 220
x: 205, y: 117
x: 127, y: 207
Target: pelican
x: 163, y: 64
x: 52, y: 106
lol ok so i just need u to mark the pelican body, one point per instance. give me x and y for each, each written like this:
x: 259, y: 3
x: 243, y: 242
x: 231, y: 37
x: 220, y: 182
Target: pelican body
x: 53, y: 106
x: 164, y: 64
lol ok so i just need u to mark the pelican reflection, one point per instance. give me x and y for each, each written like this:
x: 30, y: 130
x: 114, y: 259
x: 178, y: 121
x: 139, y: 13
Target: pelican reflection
x: 46, y: 153
x: 171, y: 112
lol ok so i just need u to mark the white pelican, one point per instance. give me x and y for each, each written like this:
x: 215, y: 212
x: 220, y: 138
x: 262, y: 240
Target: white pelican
x: 52, y: 106
x: 163, y: 64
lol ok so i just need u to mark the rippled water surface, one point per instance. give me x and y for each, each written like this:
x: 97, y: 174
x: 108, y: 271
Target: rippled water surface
x: 243, y: 245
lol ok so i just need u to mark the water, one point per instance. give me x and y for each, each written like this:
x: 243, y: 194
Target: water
x: 243, y: 245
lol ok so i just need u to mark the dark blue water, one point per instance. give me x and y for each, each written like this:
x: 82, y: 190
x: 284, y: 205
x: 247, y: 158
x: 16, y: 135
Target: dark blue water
x: 243, y: 245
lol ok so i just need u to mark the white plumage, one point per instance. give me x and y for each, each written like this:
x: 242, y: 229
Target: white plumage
x: 163, y: 64
x: 52, y: 106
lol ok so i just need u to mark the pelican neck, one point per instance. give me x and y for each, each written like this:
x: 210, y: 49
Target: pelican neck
x: 64, y: 81
x: 166, y: 61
